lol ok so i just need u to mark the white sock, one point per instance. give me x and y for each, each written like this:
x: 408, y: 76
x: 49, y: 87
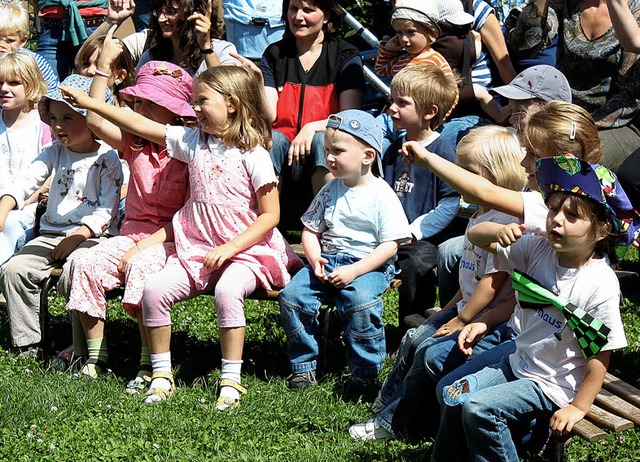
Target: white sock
x: 231, y: 371
x: 161, y: 362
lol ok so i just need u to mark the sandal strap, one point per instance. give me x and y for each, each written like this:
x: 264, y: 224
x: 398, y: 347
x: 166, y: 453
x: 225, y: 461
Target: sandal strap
x: 232, y: 384
x: 161, y: 375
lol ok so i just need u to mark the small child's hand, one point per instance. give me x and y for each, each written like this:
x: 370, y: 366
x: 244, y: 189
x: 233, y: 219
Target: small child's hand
x: 318, y: 268
x: 342, y: 276
x: 455, y: 325
x: 126, y: 258
x: 470, y: 335
x: 111, y: 49
x: 509, y: 234
x: 393, y: 44
x: 564, y: 419
x: 75, y: 96
x: 66, y: 246
x: 416, y: 154
x: 219, y: 255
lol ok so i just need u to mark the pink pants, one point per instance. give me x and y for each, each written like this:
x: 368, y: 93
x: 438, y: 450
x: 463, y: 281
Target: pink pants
x: 232, y: 284
x: 97, y: 272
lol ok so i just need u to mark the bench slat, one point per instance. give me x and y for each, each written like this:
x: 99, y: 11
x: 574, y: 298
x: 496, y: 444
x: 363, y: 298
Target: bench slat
x: 619, y: 406
x: 608, y: 420
x: 621, y: 388
x: 588, y: 431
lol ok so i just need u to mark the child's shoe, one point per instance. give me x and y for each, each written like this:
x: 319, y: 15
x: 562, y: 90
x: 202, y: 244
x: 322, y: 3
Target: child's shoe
x: 369, y: 431
x: 300, y: 380
x: 138, y: 385
x: 355, y: 386
x: 225, y: 402
x: 91, y: 369
x: 155, y: 394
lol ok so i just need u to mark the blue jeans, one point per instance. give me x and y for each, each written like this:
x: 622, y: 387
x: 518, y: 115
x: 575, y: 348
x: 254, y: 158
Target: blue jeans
x: 485, y: 408
x: 279, y: 149
x: 442, y: 354
x: 449, y: 254
x: 359, y: 305
x: 454, y: 129
x: 17, y: 231
x: 59, y: 54
x: 407, y: 389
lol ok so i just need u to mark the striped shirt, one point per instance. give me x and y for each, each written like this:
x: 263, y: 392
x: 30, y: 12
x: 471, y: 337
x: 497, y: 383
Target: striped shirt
x: 480, y: 72
x: 48, y: 74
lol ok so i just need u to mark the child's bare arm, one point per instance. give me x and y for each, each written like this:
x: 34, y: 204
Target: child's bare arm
x: 483, y: 294
x: 7, y: 204
x: 473, y: 332
x: 128, y: 121
x: 313, y: 252
x: 474, y: 188
x: 488, y: 235
x: 164, y: 234
x: 69, y: 243
x: 344, y: 275
x: 564, y: 419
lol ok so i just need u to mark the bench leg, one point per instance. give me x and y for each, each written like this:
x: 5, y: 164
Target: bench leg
x: 45, y: 324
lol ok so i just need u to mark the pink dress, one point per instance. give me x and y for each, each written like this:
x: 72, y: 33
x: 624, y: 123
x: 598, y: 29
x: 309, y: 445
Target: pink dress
x: 223, y: 204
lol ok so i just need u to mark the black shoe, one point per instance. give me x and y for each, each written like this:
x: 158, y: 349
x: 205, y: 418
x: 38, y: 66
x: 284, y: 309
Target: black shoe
x: 300, y: 380
x: 355, y: 386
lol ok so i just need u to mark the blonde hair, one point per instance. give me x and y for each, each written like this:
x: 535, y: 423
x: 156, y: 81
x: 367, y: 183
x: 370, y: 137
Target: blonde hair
x: 433, y: 31
x: 563, y: 128
x: 22, y: 67
x: 249, y: 126
x: 428, y: 86
x: 14, y: 17
x: 497, y: 150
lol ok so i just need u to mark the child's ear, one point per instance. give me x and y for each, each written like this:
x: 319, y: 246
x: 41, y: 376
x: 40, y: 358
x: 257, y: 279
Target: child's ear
x: 369, y: 156
x: 231, y: 106
x: 23, y: 41
x: 121, y: 74
x: 430, y: 112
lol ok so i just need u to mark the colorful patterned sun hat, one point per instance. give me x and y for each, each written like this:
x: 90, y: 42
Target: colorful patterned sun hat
x: 73, y: 81
x: 572, y: 175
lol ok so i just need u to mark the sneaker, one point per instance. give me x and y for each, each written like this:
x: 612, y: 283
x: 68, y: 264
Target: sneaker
x: 299, y: 380
x: 369, y: 431
x: 356, y: 386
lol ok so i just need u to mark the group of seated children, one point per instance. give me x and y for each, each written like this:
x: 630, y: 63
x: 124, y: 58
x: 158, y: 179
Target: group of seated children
x: 201, y: 215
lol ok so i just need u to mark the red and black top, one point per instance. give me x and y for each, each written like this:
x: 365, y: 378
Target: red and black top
x: 305, y: 97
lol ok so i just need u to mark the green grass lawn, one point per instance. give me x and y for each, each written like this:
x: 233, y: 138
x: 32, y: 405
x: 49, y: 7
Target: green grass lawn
x: 47, y: 415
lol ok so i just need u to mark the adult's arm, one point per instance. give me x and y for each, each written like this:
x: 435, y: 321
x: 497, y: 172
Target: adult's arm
x: 625, y: 25
x: 493, y: 38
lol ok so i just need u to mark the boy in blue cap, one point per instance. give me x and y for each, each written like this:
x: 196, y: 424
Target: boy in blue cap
x: 351, y: 234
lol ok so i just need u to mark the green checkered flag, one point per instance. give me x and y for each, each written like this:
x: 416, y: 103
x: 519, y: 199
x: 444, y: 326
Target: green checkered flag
x: 589, y: 331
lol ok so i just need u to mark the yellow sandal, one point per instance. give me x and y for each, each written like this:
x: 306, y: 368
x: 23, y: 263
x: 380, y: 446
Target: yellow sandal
x: 224, y: 402
x: 155, y: 395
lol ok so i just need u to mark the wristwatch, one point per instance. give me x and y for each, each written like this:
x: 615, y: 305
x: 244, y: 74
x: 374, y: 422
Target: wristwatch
x: 206, y: 51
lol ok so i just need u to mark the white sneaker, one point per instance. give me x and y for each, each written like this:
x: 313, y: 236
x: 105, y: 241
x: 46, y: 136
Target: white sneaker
x: 369, y: 431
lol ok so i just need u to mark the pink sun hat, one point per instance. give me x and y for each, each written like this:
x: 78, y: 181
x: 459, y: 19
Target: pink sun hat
x: 165, y: 84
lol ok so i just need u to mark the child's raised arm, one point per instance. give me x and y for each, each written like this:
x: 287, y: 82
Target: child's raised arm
x: 105, y: 130
x: 472, y: 187
x: 564, y: 419
x: 488, y: 235
x: 128, y: 121
x: 269, y: 206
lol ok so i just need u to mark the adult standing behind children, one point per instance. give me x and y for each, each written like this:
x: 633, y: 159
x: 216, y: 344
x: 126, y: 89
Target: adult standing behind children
x: 351, y: 235
x: 14, y: 30
x: 82, y: 205
x: 308, y: 75
x: 422, y: 95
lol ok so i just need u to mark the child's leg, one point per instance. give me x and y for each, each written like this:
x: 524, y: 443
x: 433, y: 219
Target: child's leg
x: 19, y: 279
x: 236, y: 283
x: 300, y: 302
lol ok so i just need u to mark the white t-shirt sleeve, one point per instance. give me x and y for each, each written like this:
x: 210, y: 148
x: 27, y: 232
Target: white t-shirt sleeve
x: 260, y: 168
x: 393, y: 223
x: 535, y: 213
x: 181, y: 142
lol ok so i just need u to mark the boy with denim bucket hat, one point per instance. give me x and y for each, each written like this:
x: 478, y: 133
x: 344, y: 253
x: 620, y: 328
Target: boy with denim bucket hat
x: 351, y: 235
x: 82, y: 205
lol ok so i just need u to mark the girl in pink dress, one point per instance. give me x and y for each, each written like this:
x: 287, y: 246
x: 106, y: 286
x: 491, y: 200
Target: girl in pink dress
x: 225, y: 234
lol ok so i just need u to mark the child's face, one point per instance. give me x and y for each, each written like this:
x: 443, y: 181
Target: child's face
x: 569, y: 234
x: 12, y: 95
x: 212, y: 108
x: 69, y: 128
x: 153, y: 111
x: 415, y: 39
x: 346, y: 157
x: 518, y: 110
x: 11, y: 41
x: 88, y: 68
x: 536, y: 152
x: 305, y: 19
x: 404, y: 113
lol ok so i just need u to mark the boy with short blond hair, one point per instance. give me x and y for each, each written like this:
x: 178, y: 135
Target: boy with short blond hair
x: 14, y: 30
x: 422, y: 95
x: 351, y: 235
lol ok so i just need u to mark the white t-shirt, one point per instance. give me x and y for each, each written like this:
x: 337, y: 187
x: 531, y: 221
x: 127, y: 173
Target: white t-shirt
x: 558, y: 365
x: 356, y: 220
x: 476, y: 262
x: 535, y: 213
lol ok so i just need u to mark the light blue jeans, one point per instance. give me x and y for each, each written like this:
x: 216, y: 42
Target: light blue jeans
x: 280, y: 148
x: 59, y: 53
x: 449, y: 254
x: 17, y: 230
x: 482, y: 412
x: 359, y: 305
